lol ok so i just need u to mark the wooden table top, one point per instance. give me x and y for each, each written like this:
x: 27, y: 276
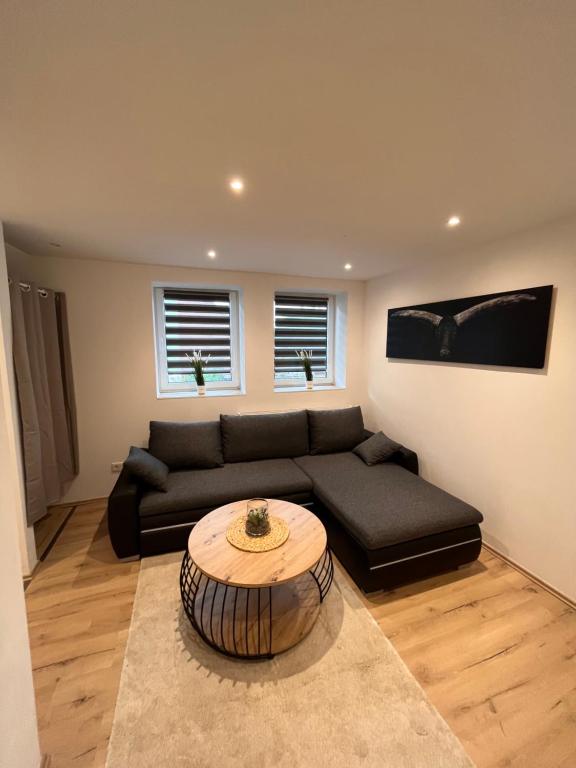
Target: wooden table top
x: 220, y: 560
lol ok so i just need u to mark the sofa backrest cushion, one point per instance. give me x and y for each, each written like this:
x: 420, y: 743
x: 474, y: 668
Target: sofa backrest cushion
x: 186, y: 444
x: 264, y: 436
x: 336, y: 430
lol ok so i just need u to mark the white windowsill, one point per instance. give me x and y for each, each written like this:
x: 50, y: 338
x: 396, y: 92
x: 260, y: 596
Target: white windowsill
x: 317, y: 388
x: 209, y: 393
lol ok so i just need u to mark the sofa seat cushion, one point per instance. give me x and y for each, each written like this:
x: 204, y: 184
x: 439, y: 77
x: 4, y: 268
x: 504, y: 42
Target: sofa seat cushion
x: 383, y: 504
x: 202, y: 488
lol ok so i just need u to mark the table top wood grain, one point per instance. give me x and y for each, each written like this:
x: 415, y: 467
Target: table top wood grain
x: 221, y: 561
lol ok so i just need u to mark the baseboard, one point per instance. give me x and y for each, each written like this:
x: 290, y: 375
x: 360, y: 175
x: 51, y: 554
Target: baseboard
x: 27, y: 579
x: 90, y: 501
x: 79, y: 503
x: 531, y: 576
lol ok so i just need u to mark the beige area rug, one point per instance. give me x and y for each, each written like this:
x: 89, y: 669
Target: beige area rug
x: 341, y: 698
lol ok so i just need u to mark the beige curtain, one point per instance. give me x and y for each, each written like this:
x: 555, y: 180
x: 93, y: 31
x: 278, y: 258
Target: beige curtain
x: 45, y: 394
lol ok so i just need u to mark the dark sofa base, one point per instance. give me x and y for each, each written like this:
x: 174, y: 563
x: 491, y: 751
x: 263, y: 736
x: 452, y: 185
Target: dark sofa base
x: 388, y: 567
x: 158, y: 541
x: 372, y: 570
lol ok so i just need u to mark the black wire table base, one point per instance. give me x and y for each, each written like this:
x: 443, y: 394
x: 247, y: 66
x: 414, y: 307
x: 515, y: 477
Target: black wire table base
x: 240, y: 621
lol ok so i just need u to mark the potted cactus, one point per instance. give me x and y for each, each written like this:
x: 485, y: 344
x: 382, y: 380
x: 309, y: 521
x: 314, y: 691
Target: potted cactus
x: 198, y: 364
x: 257, y: 521
x: 305, y: 356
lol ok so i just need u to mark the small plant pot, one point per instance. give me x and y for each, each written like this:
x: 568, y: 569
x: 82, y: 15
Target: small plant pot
x: 257, y: 520
x: 309, y: 384
x: 201, y: 389
x: 257, y: 529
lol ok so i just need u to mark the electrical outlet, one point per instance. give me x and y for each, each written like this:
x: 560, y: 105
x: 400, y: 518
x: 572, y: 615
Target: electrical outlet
x: 116, y: 466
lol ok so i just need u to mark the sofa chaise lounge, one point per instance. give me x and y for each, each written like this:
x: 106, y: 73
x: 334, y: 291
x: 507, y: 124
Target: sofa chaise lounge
x: 385, y: 523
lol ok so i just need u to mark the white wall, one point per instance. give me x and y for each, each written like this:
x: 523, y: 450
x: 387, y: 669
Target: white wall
x: 111, y: 336
x: 502, y: 439
x: 18, y: 733
x: 14, y: 468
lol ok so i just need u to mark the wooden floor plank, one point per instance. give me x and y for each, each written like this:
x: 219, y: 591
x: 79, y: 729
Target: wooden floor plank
x: 47, y: 529
x: 495, y: 652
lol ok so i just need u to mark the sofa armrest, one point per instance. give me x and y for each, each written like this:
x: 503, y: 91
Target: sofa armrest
x: 407, y: 459
x: 123, y: 518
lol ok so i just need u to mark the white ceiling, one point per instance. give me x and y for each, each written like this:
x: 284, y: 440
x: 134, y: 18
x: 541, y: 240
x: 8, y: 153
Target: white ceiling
x: 358, y: 125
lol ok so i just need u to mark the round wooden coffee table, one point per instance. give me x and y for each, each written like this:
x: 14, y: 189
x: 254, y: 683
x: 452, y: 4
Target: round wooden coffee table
x: 252, y: 605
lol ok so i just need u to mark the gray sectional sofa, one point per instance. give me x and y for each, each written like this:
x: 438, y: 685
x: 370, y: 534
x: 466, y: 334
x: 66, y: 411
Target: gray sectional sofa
x: 385, y: 523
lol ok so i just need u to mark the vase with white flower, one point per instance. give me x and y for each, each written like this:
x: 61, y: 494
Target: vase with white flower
x: 305, y: 356
x: 198, y: 364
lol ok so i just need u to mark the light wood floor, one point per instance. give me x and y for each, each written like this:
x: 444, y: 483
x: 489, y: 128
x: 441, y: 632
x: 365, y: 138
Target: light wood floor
x: 46, y: 530
x: 79, y: 607
x: 494, y: 651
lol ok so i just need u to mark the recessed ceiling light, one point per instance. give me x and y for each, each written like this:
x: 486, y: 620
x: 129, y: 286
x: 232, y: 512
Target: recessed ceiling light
x: 236, y: 185
x: 347, y: 266
x: 211, y: 254
x: 453, y: 221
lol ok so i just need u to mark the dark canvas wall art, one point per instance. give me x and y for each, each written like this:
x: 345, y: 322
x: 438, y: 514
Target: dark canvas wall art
x: 509, y: 328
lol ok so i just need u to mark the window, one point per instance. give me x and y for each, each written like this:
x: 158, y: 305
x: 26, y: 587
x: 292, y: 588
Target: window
x: 188, y: 319
x: 303, y: 321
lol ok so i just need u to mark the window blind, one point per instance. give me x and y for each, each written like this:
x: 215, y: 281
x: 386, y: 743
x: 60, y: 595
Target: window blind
x: 197, y: 320
x: 300, y: 322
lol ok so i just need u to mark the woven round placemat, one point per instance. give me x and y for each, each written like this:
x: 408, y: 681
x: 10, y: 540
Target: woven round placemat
x: 237, y: 536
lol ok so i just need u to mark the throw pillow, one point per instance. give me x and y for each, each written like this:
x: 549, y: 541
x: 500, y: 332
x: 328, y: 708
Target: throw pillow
x: 147, y: 468
x: 377, y: 449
